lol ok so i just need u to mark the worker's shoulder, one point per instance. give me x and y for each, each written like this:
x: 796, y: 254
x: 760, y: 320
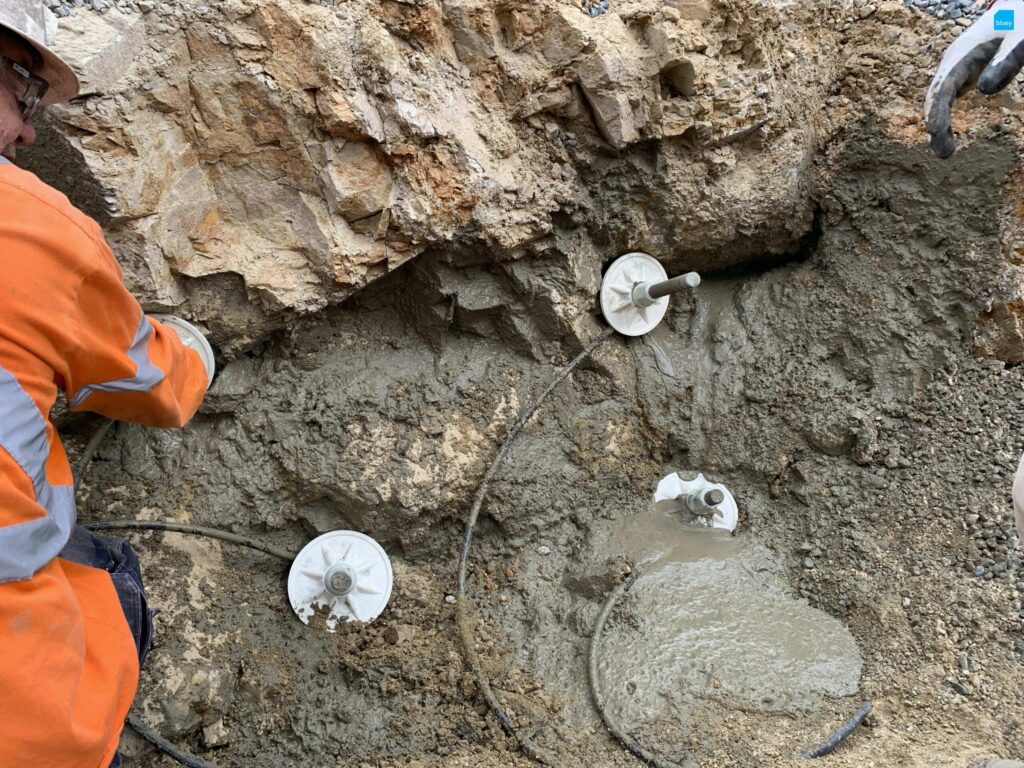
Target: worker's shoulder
x: 29, y: 198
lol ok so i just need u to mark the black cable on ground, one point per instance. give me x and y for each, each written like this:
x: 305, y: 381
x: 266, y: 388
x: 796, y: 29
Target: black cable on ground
x: 140, y: 727
x: 837, y: 738
x: 136, y: 724
x: 195, y: 530
x: 530, y: 747
x: 164, y: 745
x: 825, y: 748
x: 90, y: 448
x: 595, y: 682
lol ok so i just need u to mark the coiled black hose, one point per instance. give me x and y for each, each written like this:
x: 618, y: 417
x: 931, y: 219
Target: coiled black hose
x: 530, y: 747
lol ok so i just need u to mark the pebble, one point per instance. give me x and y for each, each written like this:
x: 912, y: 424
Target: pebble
x: 960, y: 688
x: 450, y: 599
x: 62, y: 8
x: 961, y: 12
x: 544, y: 550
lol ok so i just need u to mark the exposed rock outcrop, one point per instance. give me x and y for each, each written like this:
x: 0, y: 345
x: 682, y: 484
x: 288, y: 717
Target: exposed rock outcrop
x: 260, y: 161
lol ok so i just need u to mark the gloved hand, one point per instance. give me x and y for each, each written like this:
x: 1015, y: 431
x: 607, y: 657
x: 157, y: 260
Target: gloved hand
x: 192, y: 338
x: 990, y: 53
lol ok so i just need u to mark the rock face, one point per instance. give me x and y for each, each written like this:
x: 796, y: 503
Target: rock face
x: 260, y: 161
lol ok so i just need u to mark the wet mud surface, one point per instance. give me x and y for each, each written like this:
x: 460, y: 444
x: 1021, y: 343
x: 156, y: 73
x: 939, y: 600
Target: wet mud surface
x: 839, y: 399
x: 712, y: 617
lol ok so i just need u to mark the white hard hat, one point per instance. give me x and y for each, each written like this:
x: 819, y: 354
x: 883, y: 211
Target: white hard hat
x: 27, y: 18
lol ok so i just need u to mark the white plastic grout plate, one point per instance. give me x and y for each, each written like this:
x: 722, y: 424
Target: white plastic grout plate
x: 616, y: 292
x: 370, y: 594
x: 726, y: 515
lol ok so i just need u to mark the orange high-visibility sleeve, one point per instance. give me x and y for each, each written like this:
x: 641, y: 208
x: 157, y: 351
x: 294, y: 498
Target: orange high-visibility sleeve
x: 125, y: 365
x: 79, y: 317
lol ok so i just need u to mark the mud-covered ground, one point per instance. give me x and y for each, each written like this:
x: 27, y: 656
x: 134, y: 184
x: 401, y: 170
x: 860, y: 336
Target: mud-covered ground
x: 838, y: 395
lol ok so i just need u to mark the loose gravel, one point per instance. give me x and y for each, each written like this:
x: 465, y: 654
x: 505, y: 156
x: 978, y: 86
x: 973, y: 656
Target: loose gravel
x: 962, y: 12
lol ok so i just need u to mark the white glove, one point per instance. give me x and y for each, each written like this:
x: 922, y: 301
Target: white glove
x: 990, y: 54
x: 192, y: 338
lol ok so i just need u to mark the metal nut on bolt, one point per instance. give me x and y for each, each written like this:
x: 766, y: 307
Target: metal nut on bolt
x: 714, y: 497
x: 709, y: 504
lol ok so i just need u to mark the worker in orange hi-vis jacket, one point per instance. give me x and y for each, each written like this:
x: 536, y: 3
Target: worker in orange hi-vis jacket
x: 74, y: 624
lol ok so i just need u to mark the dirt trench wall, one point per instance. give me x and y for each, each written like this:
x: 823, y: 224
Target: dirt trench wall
x: 797, y: 385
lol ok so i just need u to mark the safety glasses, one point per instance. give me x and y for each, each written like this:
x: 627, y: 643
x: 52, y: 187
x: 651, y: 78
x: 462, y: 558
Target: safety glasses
x: 26, y: 87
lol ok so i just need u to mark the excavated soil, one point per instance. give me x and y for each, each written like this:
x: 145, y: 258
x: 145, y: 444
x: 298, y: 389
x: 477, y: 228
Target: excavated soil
x: 838, y: 396
x: 848, y: 368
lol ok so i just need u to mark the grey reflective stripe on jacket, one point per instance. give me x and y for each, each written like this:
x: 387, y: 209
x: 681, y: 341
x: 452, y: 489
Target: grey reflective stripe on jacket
x: 146, y: 375
x: 27, y: 547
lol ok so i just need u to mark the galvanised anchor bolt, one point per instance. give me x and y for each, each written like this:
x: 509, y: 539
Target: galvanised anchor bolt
x: 645, y: 294
x: 705, y: 504
x: 340, y: 579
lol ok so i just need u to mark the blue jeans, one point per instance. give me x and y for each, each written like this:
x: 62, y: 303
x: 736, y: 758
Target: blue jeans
x: 116, y: 557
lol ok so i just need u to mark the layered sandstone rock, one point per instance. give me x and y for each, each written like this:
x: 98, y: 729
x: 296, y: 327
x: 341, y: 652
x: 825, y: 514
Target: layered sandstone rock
x: 256, y: 161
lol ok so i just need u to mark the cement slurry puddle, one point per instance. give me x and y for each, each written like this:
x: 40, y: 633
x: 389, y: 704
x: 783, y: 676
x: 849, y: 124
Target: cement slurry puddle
x: 712, y: 619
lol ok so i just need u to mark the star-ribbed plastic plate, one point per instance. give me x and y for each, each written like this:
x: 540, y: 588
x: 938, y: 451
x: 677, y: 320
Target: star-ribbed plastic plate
x: 674, y: 487
x: 193, y: 339
x: 617, y: 289
x: 370, y: 592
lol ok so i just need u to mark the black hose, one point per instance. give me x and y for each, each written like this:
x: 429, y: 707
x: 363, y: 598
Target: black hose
x: 595, y: 682
x: 164, y: 745
x: 531, y: 748
x: 140, y: 727
x: 825, y: 748
x: 195, y: 530
x: 90, y: 448
x: 840, y: 734
x: 81, y: 465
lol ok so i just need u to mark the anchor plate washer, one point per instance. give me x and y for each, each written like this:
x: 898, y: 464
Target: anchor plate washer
x: 617, y: 294
x: 192, y: 338
x: 344, y: 575
x: 674, y: 487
